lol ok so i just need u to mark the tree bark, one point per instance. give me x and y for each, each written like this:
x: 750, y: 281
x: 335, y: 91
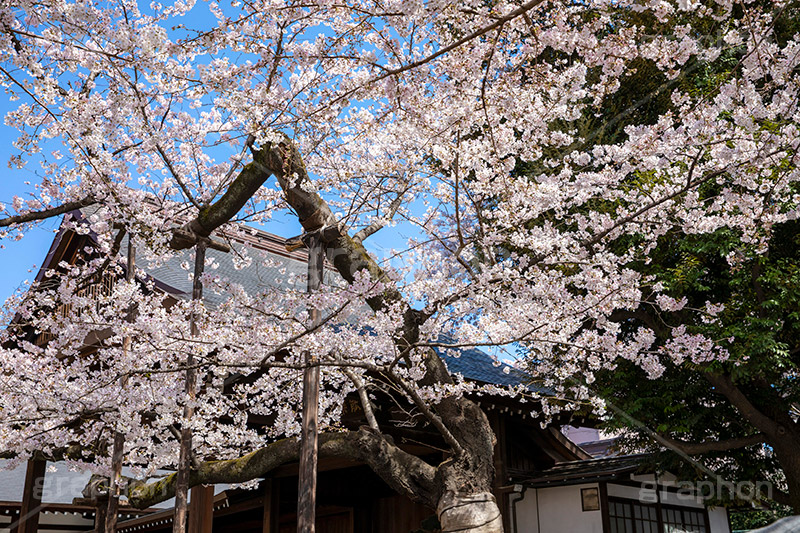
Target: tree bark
x: 780, y: 431
x: 476, y: 513
x: 402, y: 471
x: 34, y: 216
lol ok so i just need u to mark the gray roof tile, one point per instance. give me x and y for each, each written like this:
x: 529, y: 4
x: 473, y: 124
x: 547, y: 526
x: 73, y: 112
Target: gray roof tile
x: 272, y: 266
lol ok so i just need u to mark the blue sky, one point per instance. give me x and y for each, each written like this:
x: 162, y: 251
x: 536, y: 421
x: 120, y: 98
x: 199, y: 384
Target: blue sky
x: 20, y: 260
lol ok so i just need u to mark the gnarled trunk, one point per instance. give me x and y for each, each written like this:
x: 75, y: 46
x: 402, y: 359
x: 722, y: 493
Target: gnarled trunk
x: 470, y: 513
x: 459, y: 487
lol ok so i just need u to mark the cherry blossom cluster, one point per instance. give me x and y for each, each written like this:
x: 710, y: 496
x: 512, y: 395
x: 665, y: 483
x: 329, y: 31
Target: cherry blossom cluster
x: 458, y: 122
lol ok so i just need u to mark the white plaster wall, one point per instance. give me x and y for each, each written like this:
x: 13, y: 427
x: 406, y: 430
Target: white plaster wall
x: 527, y: 513
x: 632, y: 493
x: 559, y: 511
x: 647, y: 494
x: 718, y: 519
x: 683, y: 498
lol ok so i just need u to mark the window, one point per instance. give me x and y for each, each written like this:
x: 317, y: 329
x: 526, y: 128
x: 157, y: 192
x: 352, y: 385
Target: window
x: 631, y: 516
x: 645, y: 518
x: 620, y: 515
x: 683, y: 520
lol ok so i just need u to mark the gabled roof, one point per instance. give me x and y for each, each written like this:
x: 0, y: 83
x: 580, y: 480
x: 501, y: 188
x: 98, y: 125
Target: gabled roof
x: 272, y: 266
x: 601, y: 448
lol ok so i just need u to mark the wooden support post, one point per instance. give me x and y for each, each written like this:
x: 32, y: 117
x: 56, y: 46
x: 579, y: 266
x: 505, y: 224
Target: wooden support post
x: 112, y: 514
x: 100, y: 514
x: 604, y: 508
x: 307, y: 483
x: 185, y: 457
x: 201, y: 509
x: 271, y: 505
x: 31, y: 497
x: 501, y: 479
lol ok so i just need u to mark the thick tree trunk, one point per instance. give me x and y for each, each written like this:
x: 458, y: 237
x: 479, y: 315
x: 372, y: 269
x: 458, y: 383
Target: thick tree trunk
x: 771, y: 417
x: 787, y: 451
x: 463, y: 482
x: 472, y: 513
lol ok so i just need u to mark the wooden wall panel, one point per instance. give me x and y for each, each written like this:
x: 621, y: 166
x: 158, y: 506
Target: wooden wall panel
x: 397, y: 514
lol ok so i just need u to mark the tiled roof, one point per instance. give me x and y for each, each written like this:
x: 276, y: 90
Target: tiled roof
x: 477, y: 365
x: 588, y: 470
x: 273, y: 266
x: 268, y: 269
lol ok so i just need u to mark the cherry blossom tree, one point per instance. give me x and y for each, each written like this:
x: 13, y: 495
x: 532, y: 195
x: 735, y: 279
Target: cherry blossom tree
x: 171, y: 121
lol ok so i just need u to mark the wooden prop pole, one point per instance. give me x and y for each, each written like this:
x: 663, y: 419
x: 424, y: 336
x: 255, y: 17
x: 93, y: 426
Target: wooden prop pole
x: 307, y: 483
x: 185, y: 458
x: 112, y: 514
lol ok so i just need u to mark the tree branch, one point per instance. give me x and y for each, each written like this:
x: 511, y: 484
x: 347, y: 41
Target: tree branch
x: 178, y: 178
x: 654, y: 323
x: 725, y: 386
x: 432, y: 417
x: 366, y: 404
x: 522, y: 10
x: 402, y: 471
x: 588, y: 243
x: 208, y: 219
x: 47, y: 213
x: 377, y: 225
x: 697, y: 448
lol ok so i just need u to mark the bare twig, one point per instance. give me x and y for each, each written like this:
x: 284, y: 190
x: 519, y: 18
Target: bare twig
x: 377, y: 225
x: 366, y: 404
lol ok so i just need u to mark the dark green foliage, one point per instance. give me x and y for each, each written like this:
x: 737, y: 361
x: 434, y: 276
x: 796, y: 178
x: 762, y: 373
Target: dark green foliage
x: 758, y: 283
x: 747, y: 519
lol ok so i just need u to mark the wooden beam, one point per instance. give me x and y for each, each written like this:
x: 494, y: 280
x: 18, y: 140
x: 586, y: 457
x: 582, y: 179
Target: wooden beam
x: 31, y: 497
x: 186, y: 455
x: 201, y: 509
